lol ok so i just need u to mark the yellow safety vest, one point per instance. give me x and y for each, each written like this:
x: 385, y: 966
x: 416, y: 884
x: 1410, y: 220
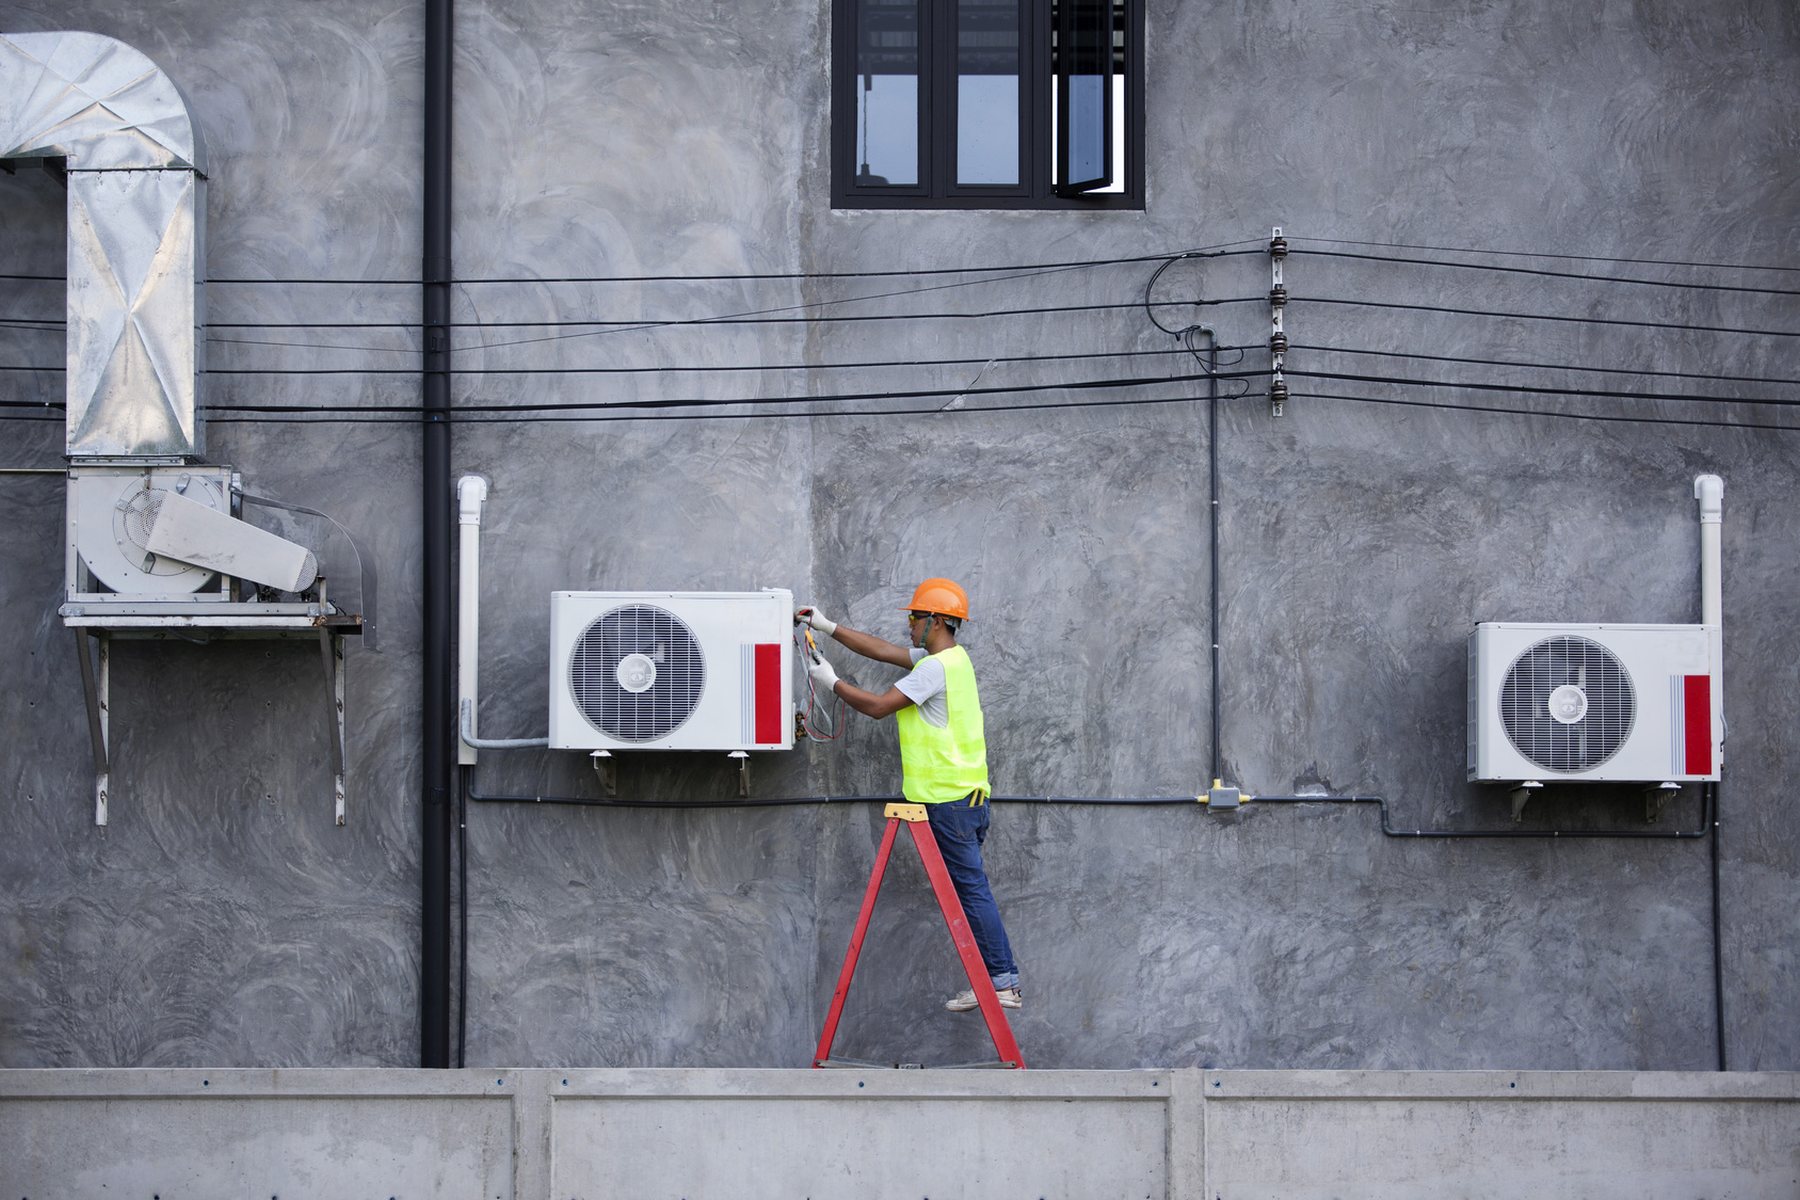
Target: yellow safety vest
x: 945, y: 764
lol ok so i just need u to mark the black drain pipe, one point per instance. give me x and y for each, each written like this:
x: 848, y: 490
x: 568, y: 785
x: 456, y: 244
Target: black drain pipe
x: 1212, y: 477
x: 436, y: 707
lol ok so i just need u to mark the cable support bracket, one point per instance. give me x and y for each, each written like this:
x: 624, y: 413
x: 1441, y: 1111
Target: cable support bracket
x: 1278, y: 342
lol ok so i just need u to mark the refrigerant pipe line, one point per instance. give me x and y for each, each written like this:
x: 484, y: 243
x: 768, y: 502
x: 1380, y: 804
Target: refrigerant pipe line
x: 1387, y: 827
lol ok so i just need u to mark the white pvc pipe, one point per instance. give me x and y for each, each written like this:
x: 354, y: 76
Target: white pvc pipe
x: 1709, y: 490
x: 471, y: 494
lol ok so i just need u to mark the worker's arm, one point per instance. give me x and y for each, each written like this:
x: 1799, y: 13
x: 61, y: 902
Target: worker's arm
x: 825, y: 679
x: 869, y: 704
x: 865, y: 644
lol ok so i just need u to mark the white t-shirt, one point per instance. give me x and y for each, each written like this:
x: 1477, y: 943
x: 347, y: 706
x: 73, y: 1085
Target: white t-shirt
x: 927, y: 688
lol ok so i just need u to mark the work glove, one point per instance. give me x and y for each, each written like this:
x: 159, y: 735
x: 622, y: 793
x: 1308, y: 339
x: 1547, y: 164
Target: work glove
x: 824, y: 677
x: 818, y: 620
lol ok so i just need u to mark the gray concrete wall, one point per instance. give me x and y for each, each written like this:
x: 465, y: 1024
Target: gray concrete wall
x: 222, y: 920
x: 1179, y: 1134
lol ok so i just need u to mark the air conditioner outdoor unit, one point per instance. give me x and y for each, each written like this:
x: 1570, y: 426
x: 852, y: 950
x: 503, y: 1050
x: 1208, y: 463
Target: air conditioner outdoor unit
x: 1595, y: 702
x: 671, y: 670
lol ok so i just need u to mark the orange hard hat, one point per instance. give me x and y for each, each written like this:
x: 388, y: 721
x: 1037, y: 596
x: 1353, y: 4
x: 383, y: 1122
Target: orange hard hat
x: 941, y: 596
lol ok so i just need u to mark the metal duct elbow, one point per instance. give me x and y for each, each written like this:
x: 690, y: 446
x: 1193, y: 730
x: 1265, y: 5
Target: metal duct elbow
x: 137, y: 209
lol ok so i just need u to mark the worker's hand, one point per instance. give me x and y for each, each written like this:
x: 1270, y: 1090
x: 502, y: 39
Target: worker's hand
x: 818, y: 620
x: 824, y: 677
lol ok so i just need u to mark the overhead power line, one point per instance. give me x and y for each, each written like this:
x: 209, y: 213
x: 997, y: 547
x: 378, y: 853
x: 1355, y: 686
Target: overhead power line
x: 1220, y: 250
x: 1527, y: 389
x: 623, y: 326
x: 1536, y: 366
x: 492, y: 419
x: 750, y: 318
x: 1597, y: 258
x: 1469, y: 266
x: 1665, y: 326
x: 495, y: 418
x: 1539, y: 412
x: 722, y: 402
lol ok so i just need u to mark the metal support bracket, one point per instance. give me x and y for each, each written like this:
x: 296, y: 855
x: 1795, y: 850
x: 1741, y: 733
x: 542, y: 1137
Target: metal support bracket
x: 743, y: 757
x: 1520, y: 795
x: 607, y: 768
x: 331, y: 647
x: 1278, y: 296
x: 1657, y: 797
x: 96, y: 687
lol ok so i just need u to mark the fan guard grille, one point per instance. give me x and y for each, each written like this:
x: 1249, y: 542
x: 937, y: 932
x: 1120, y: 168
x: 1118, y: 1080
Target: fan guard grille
x: 1540, y: 676
x: 679, y: 666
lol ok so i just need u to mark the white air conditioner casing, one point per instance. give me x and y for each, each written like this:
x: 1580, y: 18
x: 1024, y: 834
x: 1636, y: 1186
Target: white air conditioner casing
x: 671, y: 670
x: 1595, y: 702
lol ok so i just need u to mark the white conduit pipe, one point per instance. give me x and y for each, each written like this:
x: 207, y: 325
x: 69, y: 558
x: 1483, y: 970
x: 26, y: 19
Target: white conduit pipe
x: 471, y: 494
x: 1709, y: 490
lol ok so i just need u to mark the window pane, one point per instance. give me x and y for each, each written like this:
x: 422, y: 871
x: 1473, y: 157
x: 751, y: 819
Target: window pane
x: 1088, y: 74
x: 887, y: 92
x: 987, y: 91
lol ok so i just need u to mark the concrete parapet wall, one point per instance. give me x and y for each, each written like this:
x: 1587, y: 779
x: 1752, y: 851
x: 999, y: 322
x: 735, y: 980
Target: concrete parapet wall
x: 879, y: 1133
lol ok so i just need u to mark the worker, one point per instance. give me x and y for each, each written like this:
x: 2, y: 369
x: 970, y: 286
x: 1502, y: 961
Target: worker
x: 943, y: 753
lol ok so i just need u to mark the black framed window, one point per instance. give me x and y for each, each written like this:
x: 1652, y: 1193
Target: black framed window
x: 987, y: 104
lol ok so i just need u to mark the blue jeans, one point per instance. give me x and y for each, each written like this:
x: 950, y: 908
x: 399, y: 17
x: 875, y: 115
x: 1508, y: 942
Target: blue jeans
x: 960, y: 830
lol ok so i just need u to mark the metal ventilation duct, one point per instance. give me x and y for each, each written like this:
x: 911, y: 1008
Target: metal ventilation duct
x: 137, y: 208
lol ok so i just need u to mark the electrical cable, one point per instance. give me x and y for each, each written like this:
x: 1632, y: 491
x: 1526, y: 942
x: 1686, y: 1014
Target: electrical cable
x: 1009, y: 271
x: 958, y: 392
x: 832, y: 398
x: 327, y: 419
x: 1433, y: 262
x: 1220, y: 250
x: 1387, y: 829
x: 272, y: 419
x: 1547, y: 391
x: 1212, y: 485
x: 1661, y: 326
x: 800, y: 801
x: 1642, y: 262
x: 411, y: 373
x: 1538, y: 412
x: 678, y: 369
x: 1718, y: 941
x: 753, y: 317
x: 1150, y: 287
x: 813, y: 716
x: 461, y: 904
x: 213, y: 341
x: 1502, y: 362
x: 1117, y: 802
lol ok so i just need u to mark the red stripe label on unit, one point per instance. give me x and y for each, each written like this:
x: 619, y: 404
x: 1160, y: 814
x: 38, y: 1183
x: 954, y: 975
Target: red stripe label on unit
x: 768, y: 693
x: 1696, y: 703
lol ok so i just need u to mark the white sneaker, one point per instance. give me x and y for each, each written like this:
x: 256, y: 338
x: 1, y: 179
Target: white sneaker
x: 965, y: 1001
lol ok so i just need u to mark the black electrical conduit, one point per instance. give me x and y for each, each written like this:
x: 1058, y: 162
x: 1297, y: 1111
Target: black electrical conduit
x: 438, y: 725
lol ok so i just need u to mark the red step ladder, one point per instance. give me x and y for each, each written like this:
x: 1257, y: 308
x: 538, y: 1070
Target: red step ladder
x: 913, y: 816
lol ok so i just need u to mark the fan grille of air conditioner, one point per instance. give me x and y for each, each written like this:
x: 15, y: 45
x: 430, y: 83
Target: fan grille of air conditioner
x: 670, y: 699
x: 1607, y: 704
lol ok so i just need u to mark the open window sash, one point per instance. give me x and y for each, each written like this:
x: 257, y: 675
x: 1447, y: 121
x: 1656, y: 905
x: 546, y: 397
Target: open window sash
x: 1082, y: 64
